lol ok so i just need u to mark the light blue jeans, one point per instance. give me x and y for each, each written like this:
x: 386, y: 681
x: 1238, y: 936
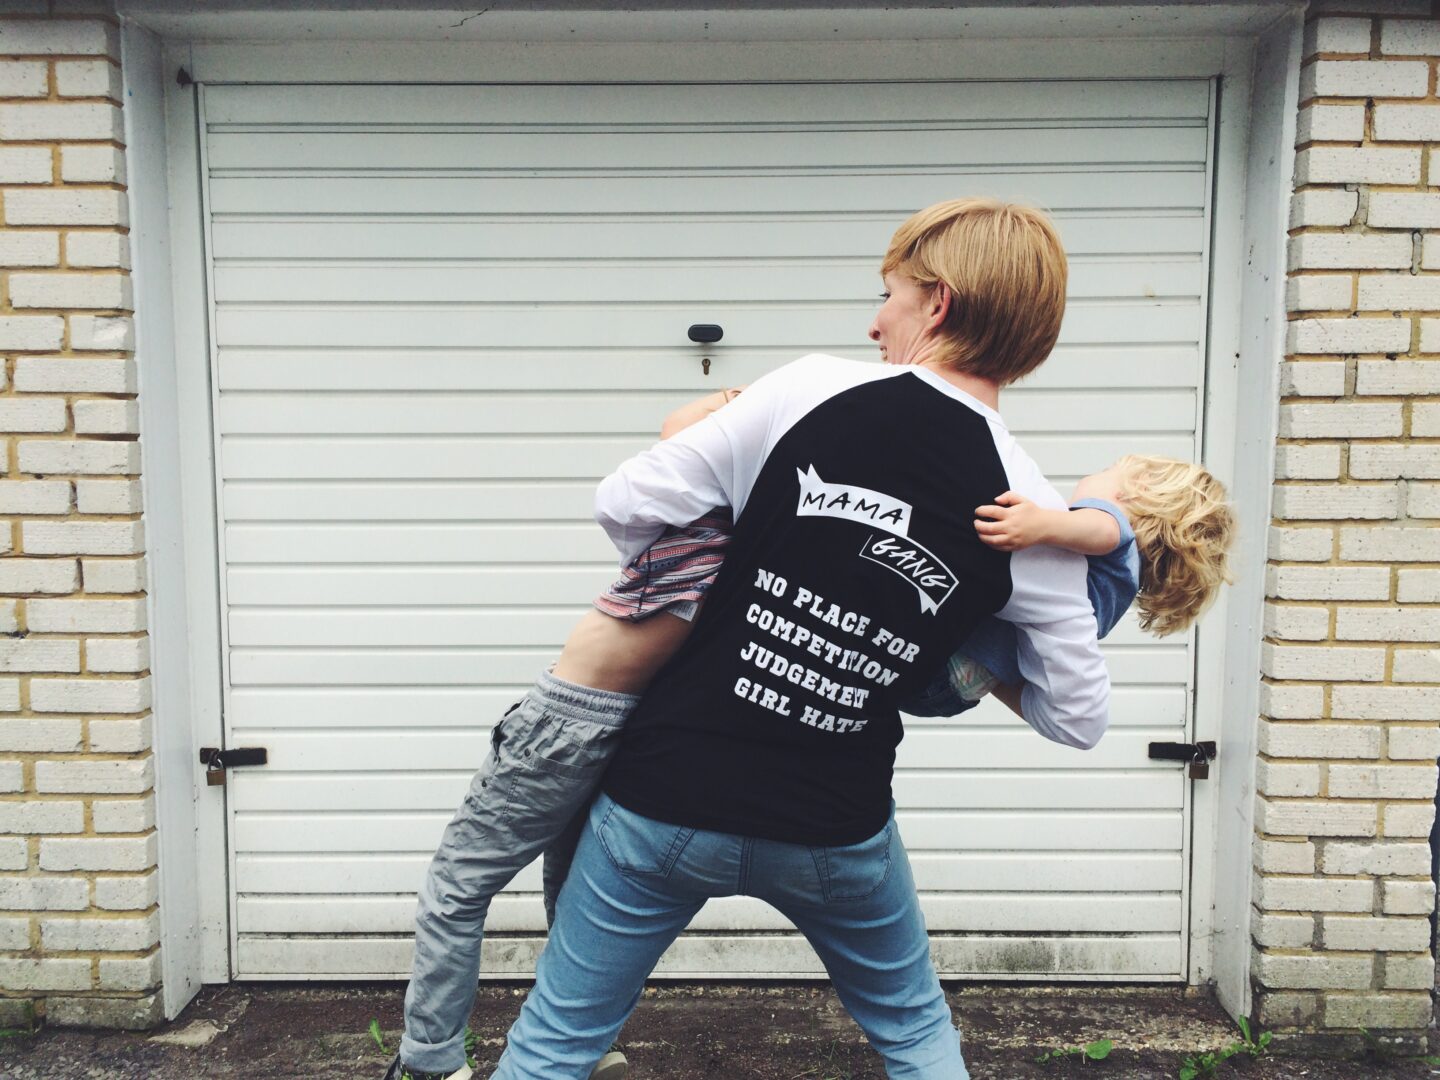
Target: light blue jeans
x: 636, y: 883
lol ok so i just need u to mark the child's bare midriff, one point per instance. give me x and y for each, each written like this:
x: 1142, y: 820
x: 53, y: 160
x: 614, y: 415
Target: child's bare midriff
x: 619, y: 655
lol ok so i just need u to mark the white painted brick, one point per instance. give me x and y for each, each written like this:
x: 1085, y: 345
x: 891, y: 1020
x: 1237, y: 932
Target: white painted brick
x: 1381, y: 860
x: 1336, y: 502
x: 1313, y: 894
x: 96, y: 249
x: 1323, y: 206
x: 71, y: 206
x: 1398, y: 377
x: 106, y: 418
x: 1365, y: 78
x: 1319, y: 292
x: 1291, y: 622
x: 86, y: 616
x: 1337, y: 35
x: 14, y: 934
x: 1357, y: 165
x: 1410, y: 898
x: 1385, y: 335
x: 1417, y: 665
x: 1314, y: 378
x: 1415, y: 743
x: 35, y: 375
x: 1387, y: 624
x: 121, y: 736
x: 83, y: 537
x: 51, y: 456
x: 1409, y: 819
x: 1314, y: 740
x: 39, y: 654
x: 127, y: 893
x: 102, y: 333
x: 1292, y: 817
x: 1385, y: 703
x: 1366, y: 933
x: 12, y: 778
x: 1419, y: 586
x: 117, y: 654
x: 14, y: 855
x: 1398, y: 292
x: 9, y: 695
x: 30, y: 332
x: 70, y: 289
x: 1328, y: 582
x: 1287, y: 780
x: 87, y: 78
x: 1345, y: 251
x: 23, y: 78
x: 1283, y: 931
x: 113, y: 575
x: 26, y: 165
x: 57, y: 37
x: 29, y: 248
x: 1423, y: 500
x: 1407, y: 123
x: 92, y: 165
x: 1430, y: 243
x: 44, y: 893
x: 98, y: 853
x: 95, y: 778
x: 32, y: 414
x: 1430, y: 335
x: 1409, y: 972
x: 1284, y: 856
x: 17, y: 975
x: 100, y: 935
x: 1382, y: 781
x: 35, y: 818
x: 45, y: 122
x: 1409, y: 37
x: 30, y: 735
x: 90, y: 695
x: 1377, y: 544
x: 124, y: 815
x: 108, y: 496
x: 1403, y: 210
x: 130, y: 975
x: 1321, y: 663
x: 1359, y: 420
x: 34, y: 497
x: 1316, y: 461
x: 1331, y: 123
x: 1301, y: 545
x: 1291, y: 702
x: 1425, y: 420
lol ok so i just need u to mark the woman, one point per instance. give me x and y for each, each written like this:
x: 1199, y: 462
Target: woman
x: 760, y: 760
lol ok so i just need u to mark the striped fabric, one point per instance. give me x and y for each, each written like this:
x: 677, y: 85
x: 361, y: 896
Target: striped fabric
x: 673, y: 573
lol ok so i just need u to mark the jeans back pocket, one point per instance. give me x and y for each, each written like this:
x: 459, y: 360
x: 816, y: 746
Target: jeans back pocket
x: 855, y: 871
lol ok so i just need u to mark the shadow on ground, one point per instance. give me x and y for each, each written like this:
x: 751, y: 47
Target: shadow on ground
x: 714, y: 1032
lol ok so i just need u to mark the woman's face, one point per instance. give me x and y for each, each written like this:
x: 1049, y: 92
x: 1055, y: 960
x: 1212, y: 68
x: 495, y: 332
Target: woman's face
x: 902, y: 326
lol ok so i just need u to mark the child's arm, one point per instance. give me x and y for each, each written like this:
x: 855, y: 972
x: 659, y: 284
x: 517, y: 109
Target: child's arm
x: 1018, y: 524
x: 695, y: 411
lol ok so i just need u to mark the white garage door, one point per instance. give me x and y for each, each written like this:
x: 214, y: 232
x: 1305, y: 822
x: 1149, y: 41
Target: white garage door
x: 441, y: 314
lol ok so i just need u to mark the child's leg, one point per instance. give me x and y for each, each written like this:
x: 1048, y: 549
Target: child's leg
x: 549, y: 754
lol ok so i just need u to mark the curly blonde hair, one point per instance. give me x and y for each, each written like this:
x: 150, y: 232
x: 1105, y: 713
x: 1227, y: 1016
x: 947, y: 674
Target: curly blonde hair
x: 1183, y: 528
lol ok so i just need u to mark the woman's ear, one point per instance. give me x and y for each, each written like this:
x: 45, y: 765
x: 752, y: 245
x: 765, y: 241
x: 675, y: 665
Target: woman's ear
x: 940, y: 300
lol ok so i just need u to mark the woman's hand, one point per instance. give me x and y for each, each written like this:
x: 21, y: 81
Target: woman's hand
x: 1016, y: 523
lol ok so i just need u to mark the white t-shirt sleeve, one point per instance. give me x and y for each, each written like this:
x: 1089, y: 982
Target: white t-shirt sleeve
x: 711, y: 463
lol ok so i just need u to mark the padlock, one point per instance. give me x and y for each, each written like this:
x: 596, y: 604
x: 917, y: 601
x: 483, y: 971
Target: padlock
x: 215, y: 776
x: 1199, y: 765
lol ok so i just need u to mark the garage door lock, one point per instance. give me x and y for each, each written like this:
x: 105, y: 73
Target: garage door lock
x: 1198, y: 754
x: 216, y: 761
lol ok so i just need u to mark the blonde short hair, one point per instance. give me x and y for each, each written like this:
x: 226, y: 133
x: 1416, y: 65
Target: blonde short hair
x: 1183, y: 528
x: 1006, y: 269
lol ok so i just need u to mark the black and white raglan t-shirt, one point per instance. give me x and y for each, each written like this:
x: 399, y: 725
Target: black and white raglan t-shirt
x: 854, y: 572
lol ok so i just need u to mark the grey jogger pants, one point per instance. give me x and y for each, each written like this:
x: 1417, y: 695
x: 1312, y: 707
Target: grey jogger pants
x: 546, y: 759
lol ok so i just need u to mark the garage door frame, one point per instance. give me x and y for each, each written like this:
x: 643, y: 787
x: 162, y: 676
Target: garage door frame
x: 1226, y: 58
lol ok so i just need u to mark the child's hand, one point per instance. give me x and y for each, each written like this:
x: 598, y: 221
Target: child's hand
x: 1018, y: 523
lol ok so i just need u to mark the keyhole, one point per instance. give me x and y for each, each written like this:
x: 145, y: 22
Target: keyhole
x: 705, y: 365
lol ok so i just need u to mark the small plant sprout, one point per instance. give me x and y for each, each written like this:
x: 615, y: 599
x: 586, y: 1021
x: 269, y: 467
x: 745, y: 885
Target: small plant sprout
x: 379, y: 1038
x: 1091, y: 1051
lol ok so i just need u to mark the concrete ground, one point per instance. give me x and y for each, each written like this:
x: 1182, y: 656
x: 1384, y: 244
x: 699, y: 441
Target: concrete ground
x: 710, y: 1032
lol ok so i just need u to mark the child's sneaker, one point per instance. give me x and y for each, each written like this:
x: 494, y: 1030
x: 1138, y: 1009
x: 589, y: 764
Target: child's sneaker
x: 612, y: 1066
x: 398, y: 1071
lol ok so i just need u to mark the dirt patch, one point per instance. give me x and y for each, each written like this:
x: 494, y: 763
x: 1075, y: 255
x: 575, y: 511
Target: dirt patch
x: 711, y: 1032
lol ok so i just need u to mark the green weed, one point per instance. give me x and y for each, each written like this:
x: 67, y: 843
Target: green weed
x: 1091, y: 1051
x: 1204, y: 1066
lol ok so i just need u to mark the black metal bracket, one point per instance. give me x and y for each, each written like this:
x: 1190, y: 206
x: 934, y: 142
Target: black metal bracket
x: 214, y: 758
x: 1181, y: 751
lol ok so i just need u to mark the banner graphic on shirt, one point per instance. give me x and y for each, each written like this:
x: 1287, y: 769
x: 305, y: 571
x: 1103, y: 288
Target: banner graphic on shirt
x: 932, y: 579
x: 852, y: 503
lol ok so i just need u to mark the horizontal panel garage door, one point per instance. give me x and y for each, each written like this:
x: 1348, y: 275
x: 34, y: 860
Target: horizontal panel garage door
x: 441, y: 314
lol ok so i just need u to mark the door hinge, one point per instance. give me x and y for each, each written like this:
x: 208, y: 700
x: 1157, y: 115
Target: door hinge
x: 216, y: 761
x: 1198, y: 754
